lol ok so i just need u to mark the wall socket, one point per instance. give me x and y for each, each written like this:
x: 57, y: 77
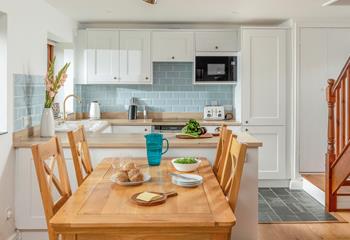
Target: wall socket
x: 9, y: 214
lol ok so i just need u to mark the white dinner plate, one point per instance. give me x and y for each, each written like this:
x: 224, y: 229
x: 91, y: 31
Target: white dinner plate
x: 146, y: 178
x: 198, y: 180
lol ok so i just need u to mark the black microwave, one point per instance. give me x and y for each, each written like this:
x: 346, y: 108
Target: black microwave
x: 216, y: 69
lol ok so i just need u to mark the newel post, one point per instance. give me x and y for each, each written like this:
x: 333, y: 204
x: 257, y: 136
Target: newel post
x: 331, y: 199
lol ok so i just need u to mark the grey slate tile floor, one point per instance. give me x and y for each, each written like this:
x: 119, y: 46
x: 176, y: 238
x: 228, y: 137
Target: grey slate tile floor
x: 285, y: 205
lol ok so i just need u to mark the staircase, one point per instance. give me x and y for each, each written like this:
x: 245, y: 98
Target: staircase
x: 338, y: 149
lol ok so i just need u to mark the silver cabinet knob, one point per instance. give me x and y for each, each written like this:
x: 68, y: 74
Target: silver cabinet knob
x: 246, y: 122
x: 246, y: 129
x: 115, y: 78
x: 172, y: 57
x: 146, y: 78
x: 216, y: 47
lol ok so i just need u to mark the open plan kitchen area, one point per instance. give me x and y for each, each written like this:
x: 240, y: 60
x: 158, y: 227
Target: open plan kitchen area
x: 174, y: 120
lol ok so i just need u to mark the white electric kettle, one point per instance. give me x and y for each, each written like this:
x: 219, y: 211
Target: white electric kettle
x: 95, y: 112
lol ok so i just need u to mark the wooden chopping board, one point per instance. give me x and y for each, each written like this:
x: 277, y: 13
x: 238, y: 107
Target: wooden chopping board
x: 161, y: 200
x: 186, y: 136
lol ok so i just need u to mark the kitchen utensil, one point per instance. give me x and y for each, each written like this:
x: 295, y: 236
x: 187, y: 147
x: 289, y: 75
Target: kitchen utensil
x: 146, y: 178
x: 186, y: 136
x: 181, y: 167
x: 95, y: 111
x: 132, y: 112
x: 154, y: 145
x: 161, y: 200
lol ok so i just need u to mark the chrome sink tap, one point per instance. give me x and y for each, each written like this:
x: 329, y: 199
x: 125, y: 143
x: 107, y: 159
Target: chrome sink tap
x: 64, y: 104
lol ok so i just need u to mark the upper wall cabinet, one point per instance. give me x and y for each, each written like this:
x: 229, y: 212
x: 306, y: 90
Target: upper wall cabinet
x: 217, y: 41
x: 113, y: 57
x: 102, y: 56
x: 170, y: 46
x: 264, y: 73
x: 135, y: 57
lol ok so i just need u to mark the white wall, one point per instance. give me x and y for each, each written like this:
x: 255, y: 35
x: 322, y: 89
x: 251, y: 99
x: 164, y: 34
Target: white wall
x: 3, y: 71
x: 29, y: 23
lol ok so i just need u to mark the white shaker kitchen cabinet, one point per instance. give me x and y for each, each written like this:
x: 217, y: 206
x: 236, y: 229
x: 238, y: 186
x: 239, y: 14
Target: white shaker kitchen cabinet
x: 272, y: 156
x: 102, y: 56
x: 264, y: 62
x: 172, y: 46
x: 217, y: 41
x: 135, y: 57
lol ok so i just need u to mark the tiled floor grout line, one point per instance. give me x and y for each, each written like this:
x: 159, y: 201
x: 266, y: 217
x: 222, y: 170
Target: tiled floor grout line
x: 306, y: 209
x: 290, y: 194
x: 273, y: 210
x: 285, y: 204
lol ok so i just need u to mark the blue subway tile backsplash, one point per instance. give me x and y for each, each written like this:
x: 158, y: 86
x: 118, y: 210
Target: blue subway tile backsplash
x: 29, y: 95
x: 172, y: 91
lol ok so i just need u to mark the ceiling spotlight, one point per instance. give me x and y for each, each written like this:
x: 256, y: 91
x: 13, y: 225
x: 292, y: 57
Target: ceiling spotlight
x: 150, y: 1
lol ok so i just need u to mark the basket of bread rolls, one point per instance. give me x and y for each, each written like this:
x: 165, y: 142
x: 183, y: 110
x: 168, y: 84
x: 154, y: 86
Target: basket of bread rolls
x: 130, y: 174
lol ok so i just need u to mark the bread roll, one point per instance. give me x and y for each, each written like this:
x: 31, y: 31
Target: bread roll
x: 133, y: 172
x: 121, y: 176
x: 128, y: 166
x: 137, y: 177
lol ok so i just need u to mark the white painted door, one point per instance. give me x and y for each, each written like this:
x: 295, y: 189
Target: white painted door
x: 102, y: 56
x: 135, y: 57
x: 323, y: 53
x: 272, y: 156
x: 173, y: 46
x: 217, y: 41
x: 264, y: 76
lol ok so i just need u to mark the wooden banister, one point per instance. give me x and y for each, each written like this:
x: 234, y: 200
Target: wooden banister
x: 338, y: 142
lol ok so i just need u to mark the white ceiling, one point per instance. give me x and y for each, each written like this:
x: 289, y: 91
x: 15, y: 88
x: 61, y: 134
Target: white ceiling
x: 231, y: 11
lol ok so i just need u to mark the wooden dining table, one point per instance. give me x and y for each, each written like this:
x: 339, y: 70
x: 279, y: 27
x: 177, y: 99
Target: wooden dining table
x: 102, y: 209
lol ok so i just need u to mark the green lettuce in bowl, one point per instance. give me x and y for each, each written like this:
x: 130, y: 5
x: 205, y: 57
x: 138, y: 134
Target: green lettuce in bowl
x: 186, y: 164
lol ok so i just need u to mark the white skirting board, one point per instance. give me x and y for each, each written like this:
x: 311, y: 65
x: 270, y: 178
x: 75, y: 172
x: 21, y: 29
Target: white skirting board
x: 314, y: 191
x: 273, y: 183
x: 343, y: 202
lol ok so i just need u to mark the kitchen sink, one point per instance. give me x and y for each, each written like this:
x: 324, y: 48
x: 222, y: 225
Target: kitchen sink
x: 89, y: 125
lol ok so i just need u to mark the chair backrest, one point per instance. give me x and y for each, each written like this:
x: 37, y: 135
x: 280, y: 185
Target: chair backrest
x: 46, y: 157
x: 232, y: 173
x: 80, y: 153
x: 225, y: 143
x: 220, y: 148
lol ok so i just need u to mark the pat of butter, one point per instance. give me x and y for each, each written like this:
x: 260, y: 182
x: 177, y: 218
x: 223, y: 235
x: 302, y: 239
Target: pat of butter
x: 147, y: 196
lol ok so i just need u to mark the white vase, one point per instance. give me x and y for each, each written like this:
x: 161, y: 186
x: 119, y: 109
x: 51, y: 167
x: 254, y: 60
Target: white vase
x: 47, y: 125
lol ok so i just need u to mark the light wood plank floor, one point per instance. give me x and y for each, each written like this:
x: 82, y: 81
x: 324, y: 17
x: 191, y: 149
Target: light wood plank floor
x: 311, y: 231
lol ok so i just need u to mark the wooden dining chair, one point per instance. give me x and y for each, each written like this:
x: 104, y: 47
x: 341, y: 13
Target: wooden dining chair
x: 80, y: 153
x: 232, y: 172
x: 221, y: 151
x: 46, y: 157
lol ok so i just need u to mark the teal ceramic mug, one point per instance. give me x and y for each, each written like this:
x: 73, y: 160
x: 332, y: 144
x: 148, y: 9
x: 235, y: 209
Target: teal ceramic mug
x: 154, y: 145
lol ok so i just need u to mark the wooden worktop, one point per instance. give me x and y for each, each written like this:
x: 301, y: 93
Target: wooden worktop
x: 114, y: 140
x: 172, y: 122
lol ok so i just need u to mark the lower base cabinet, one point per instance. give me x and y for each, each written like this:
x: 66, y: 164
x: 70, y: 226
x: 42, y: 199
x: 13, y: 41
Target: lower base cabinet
x: 272, y: 156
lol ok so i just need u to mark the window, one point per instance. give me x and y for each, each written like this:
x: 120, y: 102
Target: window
x: 3, y: 73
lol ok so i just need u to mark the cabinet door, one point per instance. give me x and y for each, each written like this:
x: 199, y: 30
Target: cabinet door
x: 264, y: 77
x: 135, y: 57
x: 217, y: 41
x: 173, y: 46
x: 323, y: 53
x: 272, y: 156
x: 102, y: 56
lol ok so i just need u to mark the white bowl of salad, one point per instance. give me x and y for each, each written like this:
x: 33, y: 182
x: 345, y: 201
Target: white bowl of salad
x: 186, y: 164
